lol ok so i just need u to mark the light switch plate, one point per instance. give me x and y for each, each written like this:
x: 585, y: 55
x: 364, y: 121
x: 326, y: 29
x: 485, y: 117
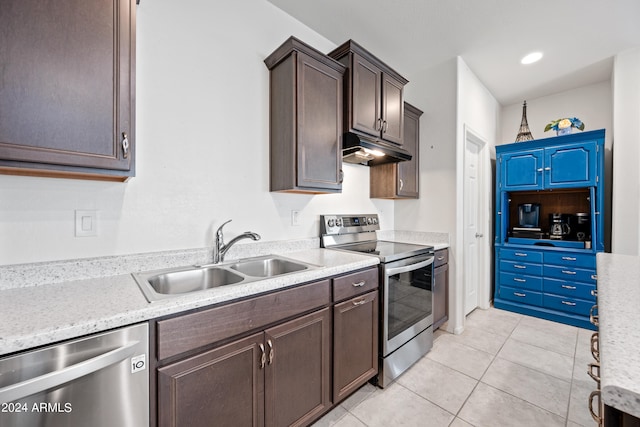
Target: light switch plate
x: 295, y: 218
x: 86, y: 223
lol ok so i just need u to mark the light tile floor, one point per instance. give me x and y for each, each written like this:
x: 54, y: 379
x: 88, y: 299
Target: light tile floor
x: 505, y: 369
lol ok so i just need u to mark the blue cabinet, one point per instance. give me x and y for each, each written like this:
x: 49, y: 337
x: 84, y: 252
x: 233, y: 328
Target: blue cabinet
x: 559, y: 166
x: 540, y: 276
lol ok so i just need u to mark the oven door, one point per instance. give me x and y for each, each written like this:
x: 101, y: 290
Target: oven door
x: 407, y: 300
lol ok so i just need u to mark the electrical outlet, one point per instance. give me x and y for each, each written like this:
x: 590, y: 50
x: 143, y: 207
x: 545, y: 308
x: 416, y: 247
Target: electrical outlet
x: 295, y: 218
x: 86, y: 223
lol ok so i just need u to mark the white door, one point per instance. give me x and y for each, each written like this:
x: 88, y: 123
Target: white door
x: 472, y: 231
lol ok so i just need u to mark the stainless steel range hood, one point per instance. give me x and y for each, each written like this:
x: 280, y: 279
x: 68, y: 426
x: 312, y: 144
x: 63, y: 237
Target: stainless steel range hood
x: 370, y: 152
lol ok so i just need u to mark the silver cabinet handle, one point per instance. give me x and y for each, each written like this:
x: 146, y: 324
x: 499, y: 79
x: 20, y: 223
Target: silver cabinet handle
x: 569, y: 303
x: 594, y: 277
x: 548, y: 168
x: 360, y: 302
x: 70, y: 373
x: 341, y: 179
x: 521, y: 254
x: 379, y: 125
x: 539, y: 170
x: 385, y: 125
x: 569, y: 258
x: 401, y: 184
x: 593, y: 316
x: 125, y: 145
x: 521, y: 267
x: 594, y: 292
x: 520, y: 294
x: 440, y: 258
x: 263, y: 357
x: 270, y: 344
x: 569, y: 287
x: 597, y: 417
x: 571, y: 273
x: 359, y: 284
x: 517, y: 279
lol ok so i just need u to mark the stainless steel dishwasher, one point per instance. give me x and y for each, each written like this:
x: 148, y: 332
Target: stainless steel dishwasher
x: 100, y: 380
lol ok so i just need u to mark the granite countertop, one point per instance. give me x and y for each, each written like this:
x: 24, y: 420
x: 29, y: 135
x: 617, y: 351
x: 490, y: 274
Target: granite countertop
x: 44, y: 303
x: 619, y: 333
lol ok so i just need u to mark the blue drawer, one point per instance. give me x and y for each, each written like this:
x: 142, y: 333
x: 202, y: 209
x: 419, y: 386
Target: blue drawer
x: 521, y: 295
x: 570, y: 274
x: 521, y: 255
x: 569, y: 305
x: 570, y: 259
x: 521, y: 281
x: 520, y: 268
x: 569, y: 289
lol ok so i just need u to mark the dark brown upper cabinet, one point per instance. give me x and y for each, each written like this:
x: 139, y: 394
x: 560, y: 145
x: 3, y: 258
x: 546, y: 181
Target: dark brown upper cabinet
x: 374, y: 94
x: 400, y: 180
x: 67, y: 98
x: 305, y: 119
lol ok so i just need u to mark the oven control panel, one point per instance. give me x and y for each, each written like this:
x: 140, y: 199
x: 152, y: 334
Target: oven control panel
x: 343, y: 224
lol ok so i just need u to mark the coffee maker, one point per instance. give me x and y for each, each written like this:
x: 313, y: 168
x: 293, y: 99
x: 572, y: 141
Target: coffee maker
x: 559, y: 226
x: 581, y: 227
x: 528, y: 222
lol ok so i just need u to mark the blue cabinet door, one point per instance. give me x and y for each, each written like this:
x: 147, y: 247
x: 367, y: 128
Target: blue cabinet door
x: 570, y: 165
x: 522, y: 170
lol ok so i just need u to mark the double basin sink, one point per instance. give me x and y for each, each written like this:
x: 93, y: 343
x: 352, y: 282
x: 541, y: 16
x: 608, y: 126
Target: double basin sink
x: 167, y: 283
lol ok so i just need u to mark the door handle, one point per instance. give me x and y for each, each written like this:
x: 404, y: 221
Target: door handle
x: 479, y: 235
x: 70, y: 373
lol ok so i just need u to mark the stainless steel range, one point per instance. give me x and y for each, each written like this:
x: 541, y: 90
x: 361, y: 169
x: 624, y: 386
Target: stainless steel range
x: 406, y: 287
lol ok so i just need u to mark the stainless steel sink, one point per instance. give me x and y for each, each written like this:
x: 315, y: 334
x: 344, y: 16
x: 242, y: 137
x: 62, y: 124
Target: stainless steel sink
x: 268, y: 266
x: 170, y: 283
x: 180, y: 282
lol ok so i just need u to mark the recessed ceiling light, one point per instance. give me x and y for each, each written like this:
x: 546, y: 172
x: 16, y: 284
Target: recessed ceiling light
x: 531, y: 58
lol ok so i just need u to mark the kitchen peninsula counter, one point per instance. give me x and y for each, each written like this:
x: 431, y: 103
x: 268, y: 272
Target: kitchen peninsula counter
x: 619, y: 334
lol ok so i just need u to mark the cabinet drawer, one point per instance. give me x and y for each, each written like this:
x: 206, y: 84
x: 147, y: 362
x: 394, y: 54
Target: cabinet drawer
x: 569, y: 289
x: 441, y: 258
x: 190, y: 331
x: 520, y: 268
x: 521, y: 255
x: 355, y: 284
x: 521, y: 281
x: 569, y: 305
x: 570, y: 273
x: 570, y: 259
x: 521, y: 295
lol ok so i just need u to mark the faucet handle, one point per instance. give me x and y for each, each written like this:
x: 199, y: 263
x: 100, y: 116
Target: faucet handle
x: 223, y: 224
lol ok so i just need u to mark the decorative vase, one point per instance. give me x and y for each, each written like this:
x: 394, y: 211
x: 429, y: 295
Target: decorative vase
x: 565, y: 131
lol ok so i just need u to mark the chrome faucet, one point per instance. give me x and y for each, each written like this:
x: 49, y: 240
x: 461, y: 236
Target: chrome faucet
x: 220, y: 249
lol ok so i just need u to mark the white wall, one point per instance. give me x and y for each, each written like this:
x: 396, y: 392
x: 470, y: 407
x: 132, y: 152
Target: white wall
x: 626, y: 154
x: 202, y: 147
x: 593, y: 104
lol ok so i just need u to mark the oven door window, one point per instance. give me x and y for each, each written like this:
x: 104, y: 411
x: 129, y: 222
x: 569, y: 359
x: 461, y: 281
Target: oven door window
x: 410, y: 299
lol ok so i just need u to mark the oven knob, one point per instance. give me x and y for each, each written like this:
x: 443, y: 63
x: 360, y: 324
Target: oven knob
x: 375, y: 221
x: 369, y: 220
x: 331, y: 223
x: 339, y: 222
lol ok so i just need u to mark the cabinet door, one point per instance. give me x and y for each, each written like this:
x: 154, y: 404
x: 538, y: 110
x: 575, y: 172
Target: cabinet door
x: 392, y: 110
x: 297, y: 377
x: 355, y: 343
x: 221, y: 386
x: 366, y: 96
x: 440, y: 295
x: 319, y: 156
x: 408, y: 172
x: 572, y: 165
x: 67, y: 93
x: 522, y: 170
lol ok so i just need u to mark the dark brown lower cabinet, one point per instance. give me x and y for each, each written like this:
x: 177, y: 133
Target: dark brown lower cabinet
x: 278, y: 377
x: 441, y: 288
x: 355, y: 339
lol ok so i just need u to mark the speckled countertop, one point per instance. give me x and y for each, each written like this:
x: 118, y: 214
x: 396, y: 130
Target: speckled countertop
x: 619, y: 330
x: 45, y: 303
